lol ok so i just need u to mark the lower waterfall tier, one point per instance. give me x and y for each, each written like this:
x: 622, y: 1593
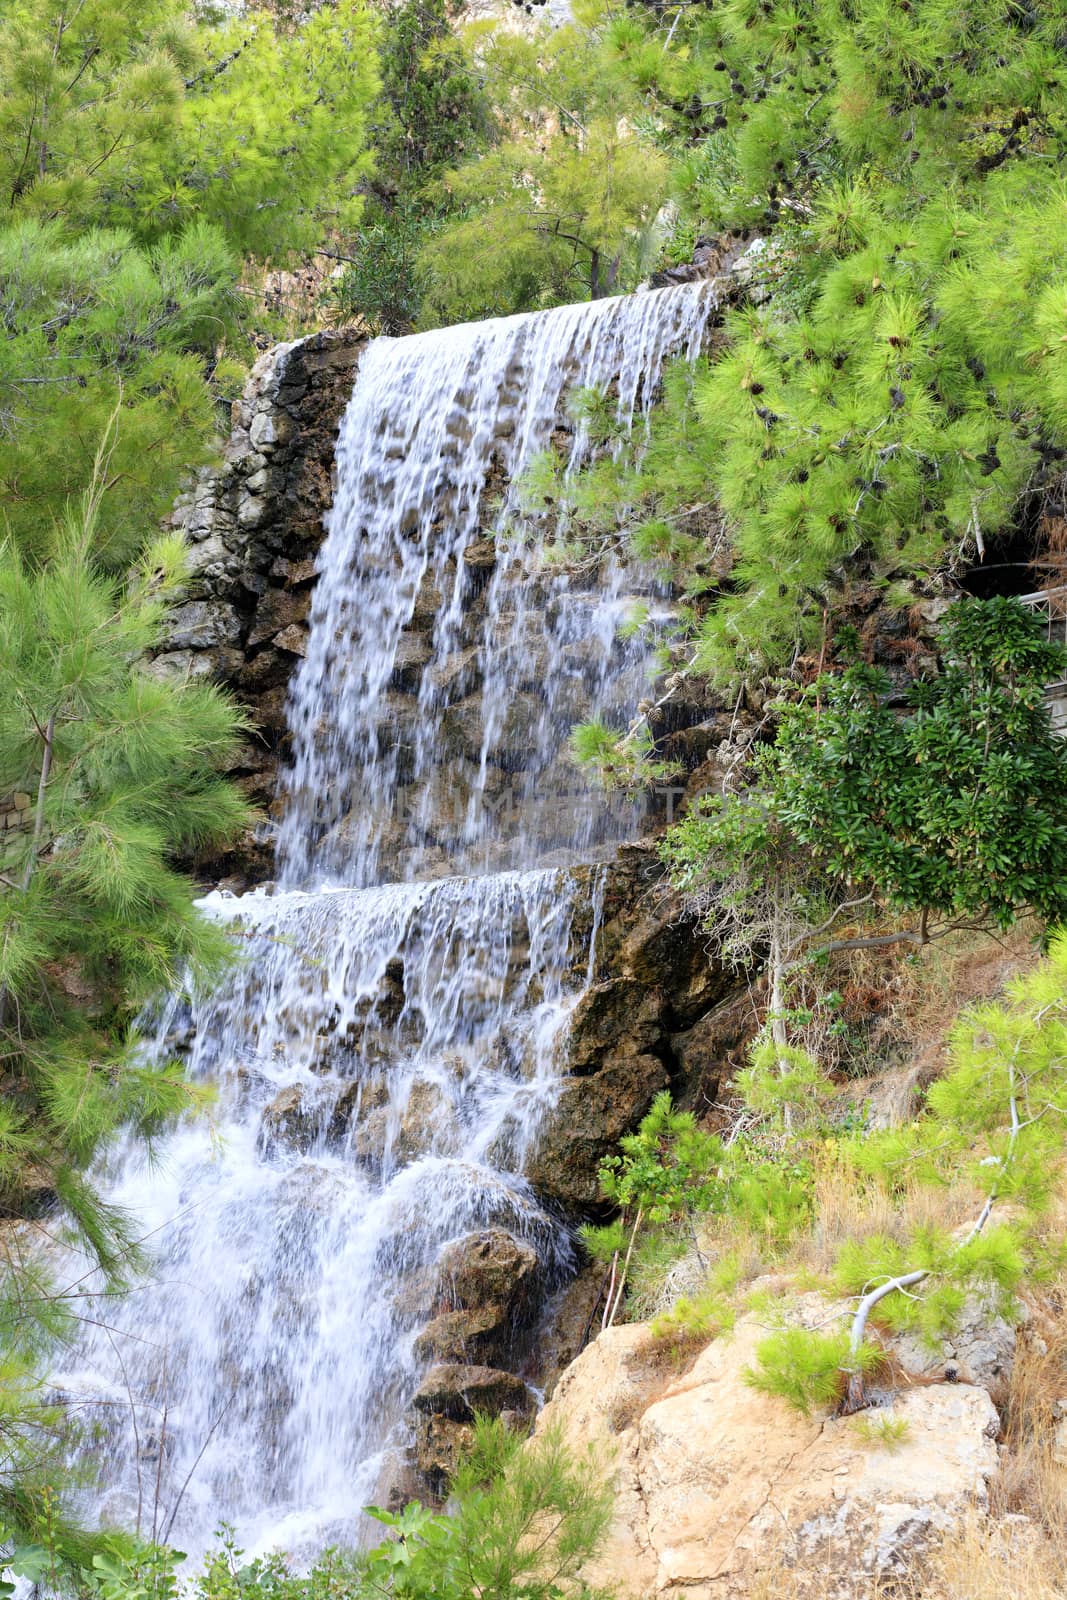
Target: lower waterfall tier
x: 383, y: 1059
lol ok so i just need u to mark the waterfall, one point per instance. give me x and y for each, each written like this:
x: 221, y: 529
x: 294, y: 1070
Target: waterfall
x: 389, y: 1038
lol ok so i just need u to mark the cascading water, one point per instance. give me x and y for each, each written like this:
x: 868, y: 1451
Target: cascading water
x: 388, y: 1042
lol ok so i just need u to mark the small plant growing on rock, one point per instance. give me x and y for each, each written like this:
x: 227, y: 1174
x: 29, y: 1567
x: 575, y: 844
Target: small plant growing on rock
x: 667, y: 1172
x: 805, y: 1368
x: 882, y: 1428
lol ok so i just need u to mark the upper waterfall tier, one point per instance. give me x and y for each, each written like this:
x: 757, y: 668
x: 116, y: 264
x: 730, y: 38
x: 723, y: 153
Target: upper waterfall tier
x: 431, y: 714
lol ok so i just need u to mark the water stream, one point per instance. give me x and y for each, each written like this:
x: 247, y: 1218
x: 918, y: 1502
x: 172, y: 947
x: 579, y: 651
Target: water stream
x: 389, y: 1040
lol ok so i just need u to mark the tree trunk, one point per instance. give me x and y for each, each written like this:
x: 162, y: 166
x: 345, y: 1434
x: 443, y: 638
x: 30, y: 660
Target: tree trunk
x: 48, y: 737
x: 779, y: 1032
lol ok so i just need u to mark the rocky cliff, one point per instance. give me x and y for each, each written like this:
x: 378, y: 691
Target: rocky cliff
x: 657, y: 1011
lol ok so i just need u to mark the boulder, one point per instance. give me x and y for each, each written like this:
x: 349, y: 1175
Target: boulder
x: 461, y: 1392
x: 428, y: 1123
x: 488, y: 1268
x: 718, y: 1486
x: 613, y: 1021
x: 440, y: 1443
x: 277, y: 609
x: 585, y: 1126
x: 462, y: 1335
x: 980, y: 1350
x: 412, y: 654
x: 709, y: 1052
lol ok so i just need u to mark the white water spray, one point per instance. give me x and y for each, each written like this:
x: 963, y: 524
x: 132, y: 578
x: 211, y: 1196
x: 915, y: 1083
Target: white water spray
x: 385, y: 1050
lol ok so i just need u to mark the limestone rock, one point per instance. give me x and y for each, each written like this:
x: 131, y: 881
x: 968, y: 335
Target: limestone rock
x: 277, y: 609
x: 585, y: 1126
x: 488, y: 1268
x: 612, y: 1020
x: 981, y: 1350
x: 709, y: 1051
x: 201, y: 624
x: 412, y: 654
x: 428, y: 1123
x: 459, y: 1392
x: 718, y: 1483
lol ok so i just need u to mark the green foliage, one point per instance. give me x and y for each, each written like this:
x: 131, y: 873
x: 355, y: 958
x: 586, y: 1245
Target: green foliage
x: 94, y: 323
x: 432, y: 112
x: 142, y: 156
x: 881, y: 414
x: 953, y: 810
x: 521, y: 1521
x: 805, y: 1368
x: 382, y: 285
x: 782, y: 1083
x: 882, y: 1428
x: 124, y: 770
x: 769, y: 1194
x: 707, y: 1313
x: 227, y: 1575
x: 121, y: 770
x: 501, y: 1496
x: 124, y: 113
x: 563, y: 208
x: 668, y: 1168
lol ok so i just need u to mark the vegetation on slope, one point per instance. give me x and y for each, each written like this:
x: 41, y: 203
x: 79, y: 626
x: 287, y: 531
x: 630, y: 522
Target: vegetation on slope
x: 891, y: 398
x: 882, y: 412
x: 149, y: 154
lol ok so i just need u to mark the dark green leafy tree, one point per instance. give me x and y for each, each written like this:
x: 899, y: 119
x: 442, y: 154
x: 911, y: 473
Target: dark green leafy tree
x: 948, y: 813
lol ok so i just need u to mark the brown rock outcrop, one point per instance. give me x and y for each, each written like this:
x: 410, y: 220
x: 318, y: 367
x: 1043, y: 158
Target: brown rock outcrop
x: 717, y: 1483
x: 459, y: 1392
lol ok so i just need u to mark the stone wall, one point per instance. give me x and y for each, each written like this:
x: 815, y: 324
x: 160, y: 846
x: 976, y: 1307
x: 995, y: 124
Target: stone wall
x: 254, y: 525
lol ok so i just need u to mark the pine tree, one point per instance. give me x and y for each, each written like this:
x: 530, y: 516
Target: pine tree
x: 119, y: 771
x: 433, y: 113
x: 880, y: 414
x: 132, y: 114
x: 564, y: 207
x: 91, y: 322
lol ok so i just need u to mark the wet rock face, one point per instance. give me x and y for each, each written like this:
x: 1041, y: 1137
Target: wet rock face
x: 486, y: 1290
x: 459, y: 1393
x: 622, y: 1047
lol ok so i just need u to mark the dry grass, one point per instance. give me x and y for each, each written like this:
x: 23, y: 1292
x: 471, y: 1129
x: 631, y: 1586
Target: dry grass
x: 989, y: 1558
x: 916, y: 1001
x: 1031, y: 1479
x: 848, y: 1208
